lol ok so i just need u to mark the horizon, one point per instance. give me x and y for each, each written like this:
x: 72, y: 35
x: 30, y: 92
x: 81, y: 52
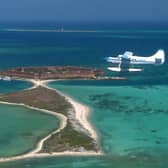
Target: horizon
x: 84, y: 25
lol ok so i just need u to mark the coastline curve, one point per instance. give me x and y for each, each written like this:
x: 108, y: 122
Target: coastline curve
x: 81, y: 113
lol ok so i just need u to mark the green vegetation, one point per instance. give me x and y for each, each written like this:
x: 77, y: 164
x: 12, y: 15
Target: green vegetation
x: 41, y: 98
x: 68, y: 139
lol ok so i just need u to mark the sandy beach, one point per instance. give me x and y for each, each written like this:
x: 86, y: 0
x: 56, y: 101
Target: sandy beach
x: 39, y: 155
x: 81, y: 113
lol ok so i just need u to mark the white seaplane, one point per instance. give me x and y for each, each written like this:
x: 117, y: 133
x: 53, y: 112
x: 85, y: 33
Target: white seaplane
x: 124, y: 61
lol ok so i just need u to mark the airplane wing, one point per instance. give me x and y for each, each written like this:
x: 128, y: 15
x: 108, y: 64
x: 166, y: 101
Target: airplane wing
x: 116, y: 69
x: 124, y: 66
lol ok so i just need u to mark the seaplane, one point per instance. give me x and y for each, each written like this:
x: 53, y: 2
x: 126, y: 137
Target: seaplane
x: 127, y: 59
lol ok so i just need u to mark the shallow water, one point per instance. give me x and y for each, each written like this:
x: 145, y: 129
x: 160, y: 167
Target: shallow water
x: 130, y: 120
x: 89, y: 162
x: 21, y: 128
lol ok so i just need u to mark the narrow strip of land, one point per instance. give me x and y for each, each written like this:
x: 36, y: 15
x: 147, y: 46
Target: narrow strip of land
x: 81, y: 112
x: 43, y: 147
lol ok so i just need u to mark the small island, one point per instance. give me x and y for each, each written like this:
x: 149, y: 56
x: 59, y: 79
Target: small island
x: 75, y: 135
x: 57, y: 72
x: 53, y: 72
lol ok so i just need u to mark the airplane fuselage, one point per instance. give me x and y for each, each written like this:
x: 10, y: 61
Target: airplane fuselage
x: 124, y: 61
x: 158, y: 58
x: 135, y: 60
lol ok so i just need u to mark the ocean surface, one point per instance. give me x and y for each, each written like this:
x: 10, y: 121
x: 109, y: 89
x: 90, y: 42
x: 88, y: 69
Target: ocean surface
x: 128, y: 121
x: 13, y: 86
x: 17, y: 135
x: 130, y: 115
x: 22, y: 128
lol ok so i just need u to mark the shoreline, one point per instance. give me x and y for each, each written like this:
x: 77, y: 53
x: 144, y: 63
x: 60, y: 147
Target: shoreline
x: 54, y: 154
x: 82, y: 111
x: 81, y: 116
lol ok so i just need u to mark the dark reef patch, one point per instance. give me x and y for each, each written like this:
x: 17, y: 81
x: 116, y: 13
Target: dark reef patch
x: 109, y: 102
x: 117, y: 103
x: 112, y: 102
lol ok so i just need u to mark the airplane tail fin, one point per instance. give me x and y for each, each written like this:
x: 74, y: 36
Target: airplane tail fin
x: 159, y: 57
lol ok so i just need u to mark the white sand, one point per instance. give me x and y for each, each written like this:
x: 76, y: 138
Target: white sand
x: 82, y: 113
x: 39, y: 155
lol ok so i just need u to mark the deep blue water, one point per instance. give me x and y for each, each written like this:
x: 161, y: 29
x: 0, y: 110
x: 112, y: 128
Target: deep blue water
x: 32, y: 48
x: 89, y: 49
x: 13, y: 86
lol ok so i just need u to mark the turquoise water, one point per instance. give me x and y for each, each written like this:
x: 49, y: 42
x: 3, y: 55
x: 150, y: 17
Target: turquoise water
x: 130, y: 120
x: 87, y: 162
x: 129, y: 116
x: 21, y: 128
